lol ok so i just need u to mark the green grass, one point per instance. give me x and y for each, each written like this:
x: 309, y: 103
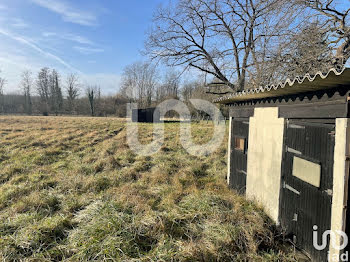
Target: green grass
x: 71, y: 189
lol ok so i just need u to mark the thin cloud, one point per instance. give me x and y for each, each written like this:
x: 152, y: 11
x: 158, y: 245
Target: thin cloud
x: 88, y: 50
x: 68, y: 13
x: 37, y: 48
x: 49, y: 34
x: 2, y: 7
x: 19, y: 23
x: 79, y: 39
x: 71, y: 37
x: 18, y: 61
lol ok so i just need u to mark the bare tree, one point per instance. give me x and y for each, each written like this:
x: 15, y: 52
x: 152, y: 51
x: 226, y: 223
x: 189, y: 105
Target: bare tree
x: 56, y: 98
x: 2, y: 84
x: 308, y: 52
x: 98, y: 101
x: 43, y: 89
x: 335, y: 20
x: 92, y: 92
x: 72, y: 89
x: 172, y: 83
x: 169, y: 88
x: 187, y: 90
x: 223, y: 38
x: 120, y: 103
x: 27, y: 83
x: 139, y: 81
x: 305, y: 51
x: 2, y: 101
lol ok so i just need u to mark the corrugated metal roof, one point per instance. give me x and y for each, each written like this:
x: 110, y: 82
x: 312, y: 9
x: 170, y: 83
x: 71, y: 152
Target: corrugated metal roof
x: 215, y: 82
x: 319, y: 81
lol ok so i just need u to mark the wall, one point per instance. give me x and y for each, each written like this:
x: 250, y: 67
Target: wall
x: 341, y: 149
x: 265, y: 146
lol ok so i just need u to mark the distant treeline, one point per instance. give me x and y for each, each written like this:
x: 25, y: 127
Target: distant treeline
x: 49, y: 94
x: 104, y: 106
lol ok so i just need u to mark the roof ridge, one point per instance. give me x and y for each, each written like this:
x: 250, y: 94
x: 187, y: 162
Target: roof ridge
x: 282, y: 84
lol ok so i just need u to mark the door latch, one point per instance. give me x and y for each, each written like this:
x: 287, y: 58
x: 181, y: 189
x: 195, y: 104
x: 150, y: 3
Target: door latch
x: 295, y: 217
x: 329, y: 192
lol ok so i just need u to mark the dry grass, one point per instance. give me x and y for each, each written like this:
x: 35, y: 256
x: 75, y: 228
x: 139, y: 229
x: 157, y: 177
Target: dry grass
x: 71, y: 189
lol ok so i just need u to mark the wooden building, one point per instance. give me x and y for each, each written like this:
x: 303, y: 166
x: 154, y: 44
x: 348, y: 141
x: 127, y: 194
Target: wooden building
x: 147, y: 115
x: 289, y: 150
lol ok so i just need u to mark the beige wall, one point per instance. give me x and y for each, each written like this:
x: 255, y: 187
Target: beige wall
x: 265, y: 147
x: 339, y: 177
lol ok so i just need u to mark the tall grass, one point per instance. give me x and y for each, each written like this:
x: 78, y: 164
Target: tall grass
x: 71, y: 189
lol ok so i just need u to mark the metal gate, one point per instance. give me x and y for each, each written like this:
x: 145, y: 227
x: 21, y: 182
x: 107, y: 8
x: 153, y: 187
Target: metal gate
x: 239, y: 150
x: 307, y: 181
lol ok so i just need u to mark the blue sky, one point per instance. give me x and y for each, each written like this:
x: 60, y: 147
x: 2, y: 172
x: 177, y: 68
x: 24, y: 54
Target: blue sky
x: 94, y: 38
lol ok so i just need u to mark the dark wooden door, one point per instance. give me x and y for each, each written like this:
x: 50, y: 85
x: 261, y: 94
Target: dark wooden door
x: 239, y: 150
x: 305, y: 200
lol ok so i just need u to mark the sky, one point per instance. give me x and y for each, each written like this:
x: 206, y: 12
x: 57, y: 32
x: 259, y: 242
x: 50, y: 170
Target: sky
x: 95, y: 39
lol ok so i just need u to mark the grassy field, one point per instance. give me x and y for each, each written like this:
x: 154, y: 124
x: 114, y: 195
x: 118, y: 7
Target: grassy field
x: 71, y: 189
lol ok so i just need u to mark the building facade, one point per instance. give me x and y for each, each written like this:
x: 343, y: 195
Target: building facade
x: 289, y: 151
x: 147, y: 115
